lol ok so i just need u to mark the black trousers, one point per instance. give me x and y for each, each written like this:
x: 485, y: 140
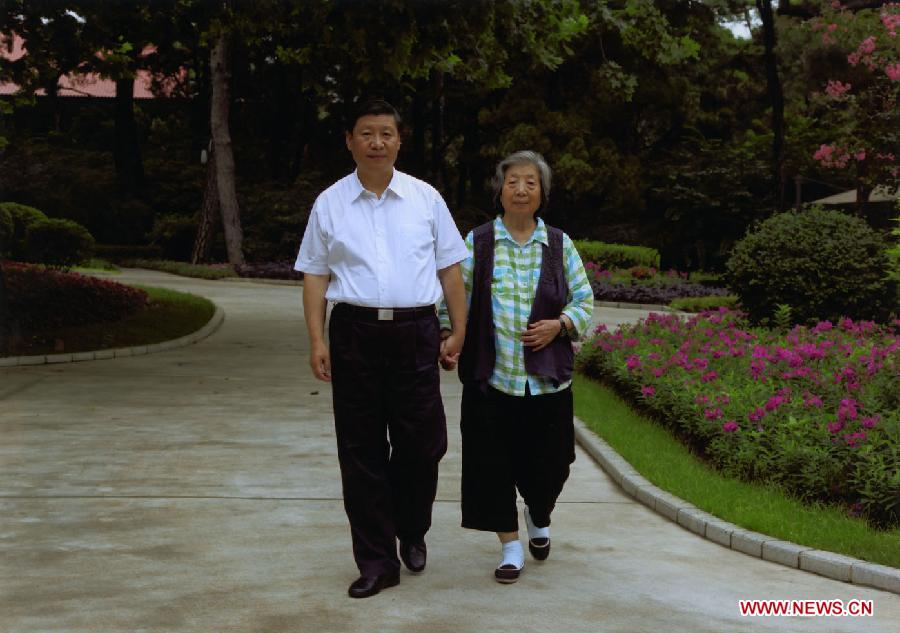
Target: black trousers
x: 511, y: 442
x: 390, y: 427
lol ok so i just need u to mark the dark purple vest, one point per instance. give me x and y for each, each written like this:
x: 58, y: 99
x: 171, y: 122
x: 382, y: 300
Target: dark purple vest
x: 476, y: 363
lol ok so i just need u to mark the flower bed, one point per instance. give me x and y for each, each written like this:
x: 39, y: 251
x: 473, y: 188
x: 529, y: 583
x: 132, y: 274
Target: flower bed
x: 816, y: 411
x: 42, y: 299
x: 640, y: 284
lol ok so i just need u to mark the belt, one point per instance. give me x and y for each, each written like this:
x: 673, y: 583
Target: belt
x: 363, y: 313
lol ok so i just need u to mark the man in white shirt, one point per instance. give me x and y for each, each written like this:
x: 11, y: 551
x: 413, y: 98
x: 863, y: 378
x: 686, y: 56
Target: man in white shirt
x: 383, y: 247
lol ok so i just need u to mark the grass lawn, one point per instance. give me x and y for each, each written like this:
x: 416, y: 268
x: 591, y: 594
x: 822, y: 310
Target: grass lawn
x: 666, y: 462
x: 169, y: 315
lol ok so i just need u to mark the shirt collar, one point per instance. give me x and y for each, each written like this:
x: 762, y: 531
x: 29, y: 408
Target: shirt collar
x: 539, y: 235
x: 395, y: 186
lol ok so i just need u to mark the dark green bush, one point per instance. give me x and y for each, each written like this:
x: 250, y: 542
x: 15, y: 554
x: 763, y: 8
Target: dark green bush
x: 609, y: 256
x: 6, y: 229
x: 823, y: 264
x: 58, y: 243
x: 21, y: 217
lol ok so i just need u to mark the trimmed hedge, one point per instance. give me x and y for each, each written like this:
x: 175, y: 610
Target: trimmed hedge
x: 616, y: 255
x: 42, y: 299
x: 59, y: 243
x: 21, y: 217
x: 823, y: 264
x: 700, y: 304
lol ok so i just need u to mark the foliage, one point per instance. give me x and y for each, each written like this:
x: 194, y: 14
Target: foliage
x: 616, y: 255
x: 58, y: 243
x: 824, y: 264
x: 21, y: 217
x: 270, y: 270
x: 858, y: 91
x: 814, y: 411
x: 6, y: 230
x: 702, y: 304
x: 207, y: 271
x: 42, y: 299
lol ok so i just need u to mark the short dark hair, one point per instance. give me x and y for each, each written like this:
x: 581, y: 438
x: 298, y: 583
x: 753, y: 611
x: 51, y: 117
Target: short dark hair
x: 374, y: 107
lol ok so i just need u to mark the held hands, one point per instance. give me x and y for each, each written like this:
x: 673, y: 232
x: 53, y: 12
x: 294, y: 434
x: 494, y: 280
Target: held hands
x: 451, y: 346
x: 320, y: 361
x: 540, y: 334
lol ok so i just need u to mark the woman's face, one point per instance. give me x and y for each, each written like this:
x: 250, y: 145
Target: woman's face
x: 521, y: 193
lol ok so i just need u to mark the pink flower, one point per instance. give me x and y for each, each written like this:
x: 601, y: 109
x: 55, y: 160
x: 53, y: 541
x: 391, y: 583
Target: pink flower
x: 709, y: 376
x: 853, y: 59
x: 774, y: 402
x: 836, y: 89
x: 893, y: 71
x: 756, y: 415
x: 812, y: 401
x: 701, y: 363
x: 647, y: 392
x: 701, y: 399
x: 853, y: 438
x: 631, y: 342
x: 869, y: 422
x: 633, y: 362
x: 847, y: 410
x: 822, y: 326
x: 730, y: 427
x: 835, y: 427
x: 713, y: 414
x: 860, y: 156
x: 867, y: 46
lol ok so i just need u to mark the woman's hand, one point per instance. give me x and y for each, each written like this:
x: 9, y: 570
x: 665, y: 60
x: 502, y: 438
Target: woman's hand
x: 540, y: 334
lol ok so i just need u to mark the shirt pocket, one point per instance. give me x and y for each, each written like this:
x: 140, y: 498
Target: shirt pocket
x: 415, y: 240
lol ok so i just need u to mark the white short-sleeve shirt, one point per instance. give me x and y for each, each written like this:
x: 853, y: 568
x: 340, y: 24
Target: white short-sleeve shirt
x: 381, y: 253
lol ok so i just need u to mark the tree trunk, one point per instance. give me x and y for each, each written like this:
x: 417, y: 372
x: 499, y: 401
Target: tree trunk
x: 776, y: 97
x: 231, y: 213
x: 127, y: 151
x: 863, y: 189
x: 417, y: 168
x: 203, y: 241
x: 5, y: 318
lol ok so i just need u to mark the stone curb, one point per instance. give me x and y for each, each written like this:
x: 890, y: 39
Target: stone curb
x: 831, y: 565
x: 189, y: 339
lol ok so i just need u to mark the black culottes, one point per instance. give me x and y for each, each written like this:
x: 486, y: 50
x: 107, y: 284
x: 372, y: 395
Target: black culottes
x: 390, y: 427
x: 509, y: 442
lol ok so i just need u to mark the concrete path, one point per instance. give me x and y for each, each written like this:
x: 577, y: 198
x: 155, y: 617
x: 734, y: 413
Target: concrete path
x: 197, y: 490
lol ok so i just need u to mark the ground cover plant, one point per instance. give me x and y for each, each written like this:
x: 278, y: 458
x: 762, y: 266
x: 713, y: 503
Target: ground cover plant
x: 201, y: 271
x: 815, y: 411
x: 644, y: 284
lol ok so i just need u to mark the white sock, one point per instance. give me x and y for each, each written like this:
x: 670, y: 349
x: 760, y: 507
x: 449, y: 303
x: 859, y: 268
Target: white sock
x: 513, y: 554
x: 535, y: 532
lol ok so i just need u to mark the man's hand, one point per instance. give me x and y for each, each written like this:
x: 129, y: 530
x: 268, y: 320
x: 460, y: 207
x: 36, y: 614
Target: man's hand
x: 540, y: 334
x: 320, y: 361
x: 448, y: 358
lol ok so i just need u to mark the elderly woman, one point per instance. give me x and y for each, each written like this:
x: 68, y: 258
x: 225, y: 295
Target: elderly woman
x: 529, y: 298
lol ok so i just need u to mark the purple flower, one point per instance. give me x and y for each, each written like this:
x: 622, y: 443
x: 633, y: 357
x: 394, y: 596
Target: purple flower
x: 633, y: 362
x: 701, y: 399
x: 774, y: 402
x: 647, y: 392
x: 756, y: 415
x: 812, y: 400
x: 835, y: 427
x: 822, y: 326
x: 709, y: 376
x: 869, y: 422
x: 847, y: 410
x: 701, y: 363
x: 730, y: 427
x: 713, y: 414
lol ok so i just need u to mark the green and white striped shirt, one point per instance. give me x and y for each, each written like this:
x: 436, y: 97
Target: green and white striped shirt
x: 517, y: 269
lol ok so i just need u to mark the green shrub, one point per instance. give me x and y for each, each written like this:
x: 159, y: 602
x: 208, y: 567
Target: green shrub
x: 119, y: 252
x: 6, y: 229
x: 21, y: 217
x: 824, y: 264
x: 701, y: 304
x: 200, y: 271
x: 609, y: 256
x: 58, y: 243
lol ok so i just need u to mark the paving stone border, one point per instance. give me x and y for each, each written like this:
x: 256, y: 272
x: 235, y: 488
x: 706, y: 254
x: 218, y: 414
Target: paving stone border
x: 189, y: 339
x: 768, y: 548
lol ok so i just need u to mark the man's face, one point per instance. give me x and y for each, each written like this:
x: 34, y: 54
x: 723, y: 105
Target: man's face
x: 374, y: 142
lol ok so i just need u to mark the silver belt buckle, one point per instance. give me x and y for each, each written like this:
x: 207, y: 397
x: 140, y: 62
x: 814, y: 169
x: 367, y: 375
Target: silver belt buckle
x: 385, y: 314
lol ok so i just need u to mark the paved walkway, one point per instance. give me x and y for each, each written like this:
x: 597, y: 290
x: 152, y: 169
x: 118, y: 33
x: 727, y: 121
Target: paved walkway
x: 197, y: 490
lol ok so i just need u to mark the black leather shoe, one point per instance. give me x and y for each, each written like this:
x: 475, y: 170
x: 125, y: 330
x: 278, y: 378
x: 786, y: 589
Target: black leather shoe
x: 413, y: 555
x: 366, y: 586
x: 539, y: 548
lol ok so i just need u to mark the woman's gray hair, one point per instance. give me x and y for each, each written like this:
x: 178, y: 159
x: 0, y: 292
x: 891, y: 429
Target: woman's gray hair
x: 519, y: 158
